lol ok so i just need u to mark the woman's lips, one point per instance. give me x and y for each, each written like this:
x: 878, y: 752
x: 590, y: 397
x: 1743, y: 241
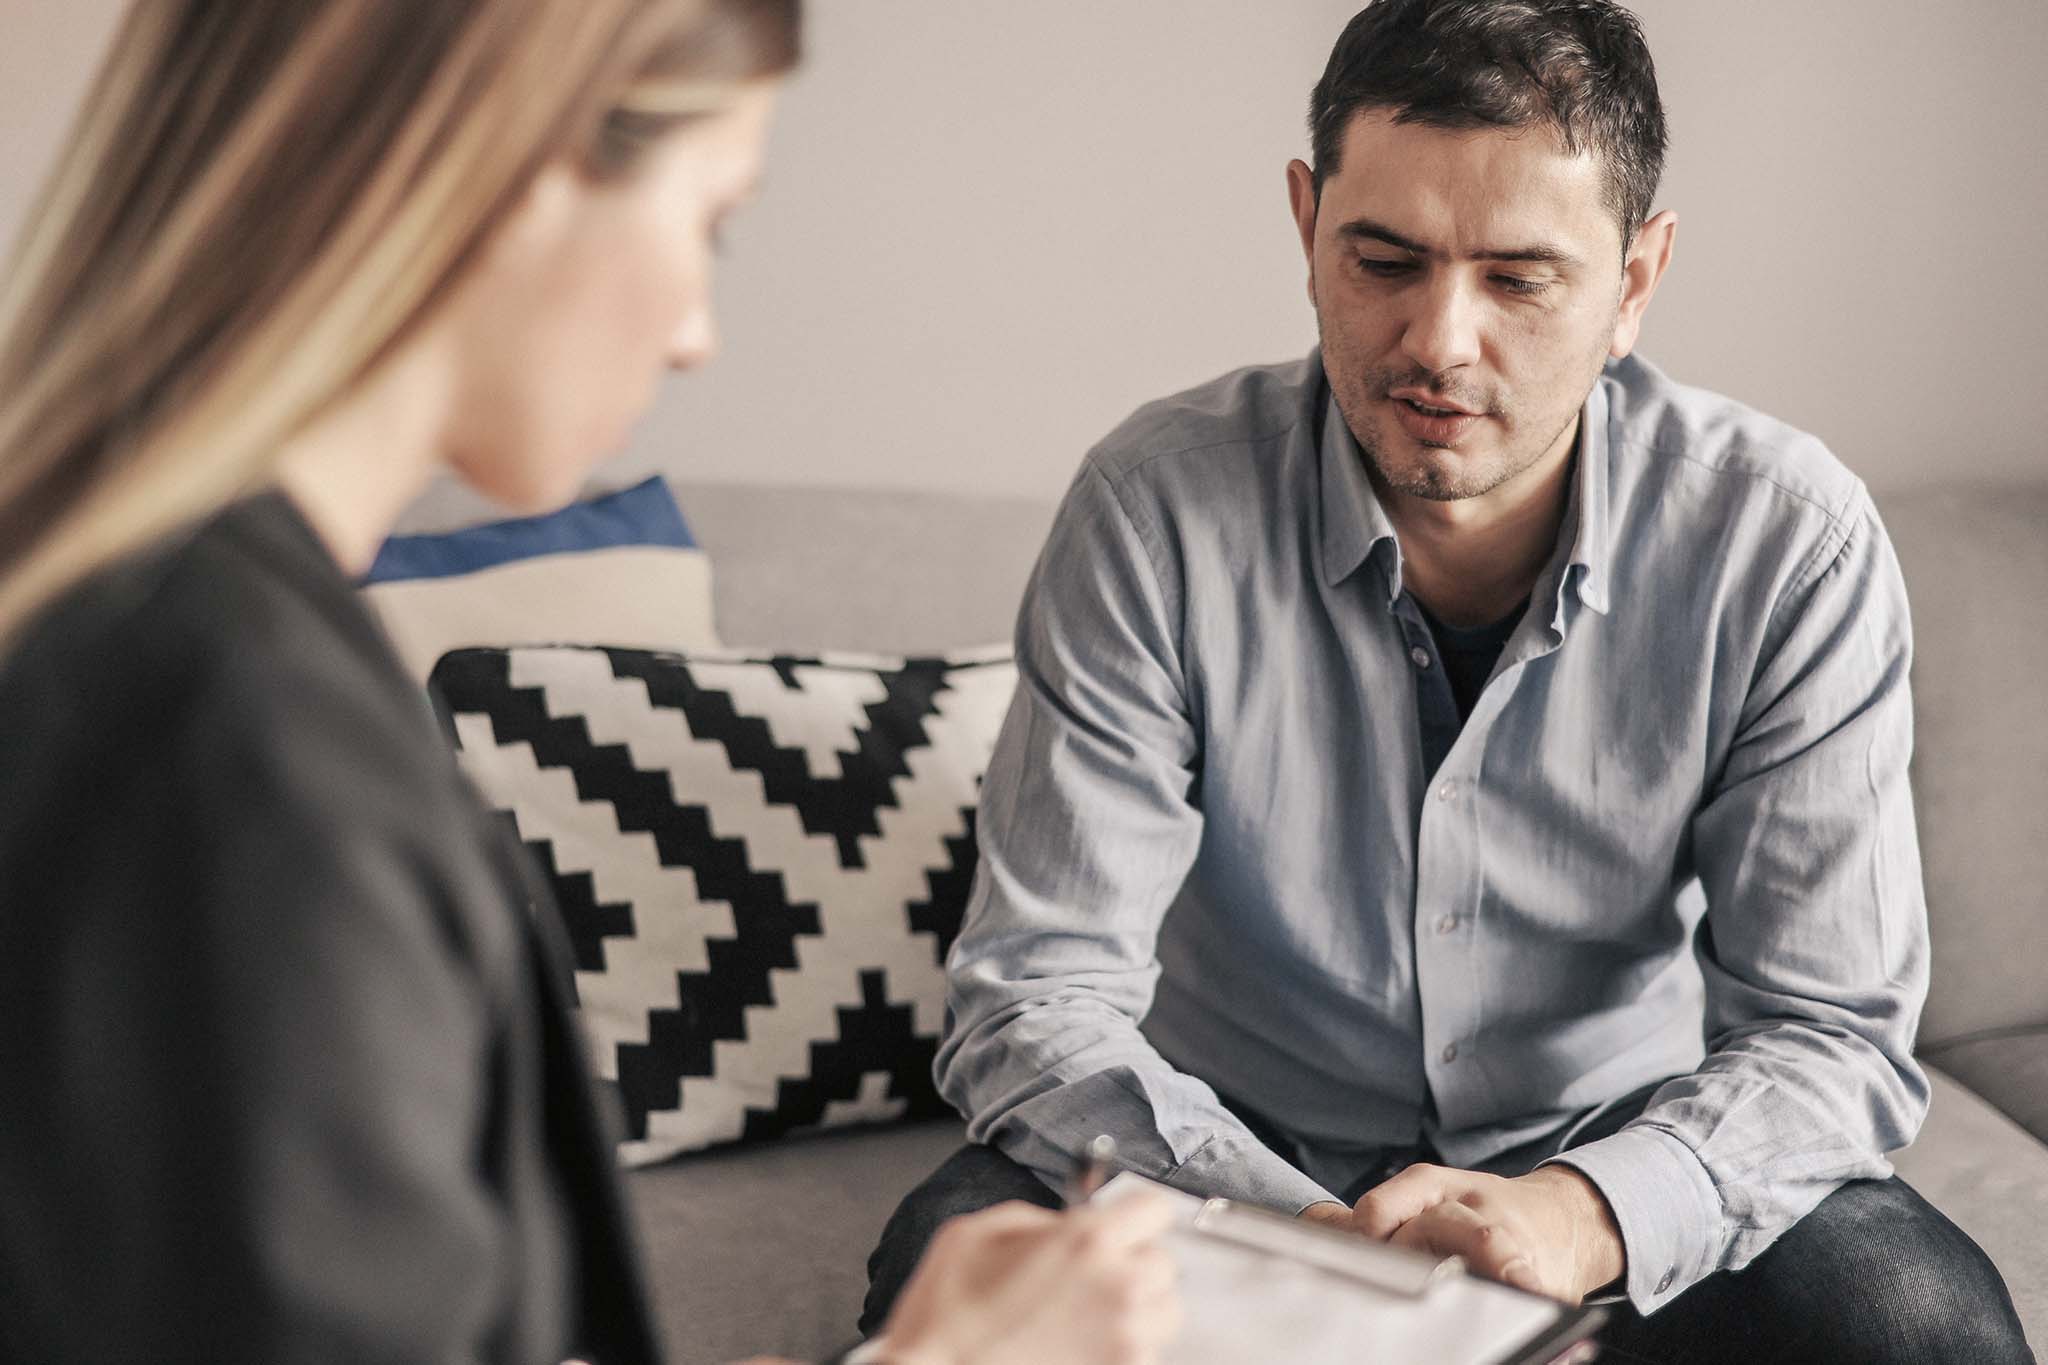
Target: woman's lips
x: 1432, y: 429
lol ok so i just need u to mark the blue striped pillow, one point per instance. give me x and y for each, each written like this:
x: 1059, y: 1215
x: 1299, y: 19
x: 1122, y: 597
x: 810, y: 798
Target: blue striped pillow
x: 621, y: 569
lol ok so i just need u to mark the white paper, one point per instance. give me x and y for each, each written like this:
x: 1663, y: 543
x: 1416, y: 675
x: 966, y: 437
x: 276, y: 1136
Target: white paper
x: 1242, y: 1305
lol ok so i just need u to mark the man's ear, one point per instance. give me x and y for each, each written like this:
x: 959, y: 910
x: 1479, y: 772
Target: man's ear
x: 1301, y: 197
x: 1647, y: 261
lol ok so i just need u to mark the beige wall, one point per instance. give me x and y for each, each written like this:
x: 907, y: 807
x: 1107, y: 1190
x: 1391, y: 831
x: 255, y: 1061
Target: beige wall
x: 47, y: 50
x: 992, y: 229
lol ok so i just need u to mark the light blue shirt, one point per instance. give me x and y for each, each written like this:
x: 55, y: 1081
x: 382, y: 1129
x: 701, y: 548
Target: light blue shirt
x: 1673, y: 840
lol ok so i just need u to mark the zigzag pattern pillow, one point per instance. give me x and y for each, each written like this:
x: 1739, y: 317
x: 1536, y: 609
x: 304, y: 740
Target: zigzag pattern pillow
x: 761, y: 863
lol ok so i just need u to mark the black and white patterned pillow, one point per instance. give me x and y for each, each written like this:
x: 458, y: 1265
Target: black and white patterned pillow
x: 761, y: 863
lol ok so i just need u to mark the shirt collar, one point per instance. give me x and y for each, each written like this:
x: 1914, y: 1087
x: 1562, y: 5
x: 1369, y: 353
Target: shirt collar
x: 1354, y: 524
x: 1591, y: 544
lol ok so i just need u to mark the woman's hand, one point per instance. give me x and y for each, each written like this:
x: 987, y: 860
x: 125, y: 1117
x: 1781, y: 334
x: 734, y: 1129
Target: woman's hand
x: 1017, y: 1285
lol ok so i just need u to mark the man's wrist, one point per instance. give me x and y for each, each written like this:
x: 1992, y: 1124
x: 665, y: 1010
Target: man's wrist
x: 1600, y: 1256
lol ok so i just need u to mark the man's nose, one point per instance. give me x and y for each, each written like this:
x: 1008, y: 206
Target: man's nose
x: 1443, y: 331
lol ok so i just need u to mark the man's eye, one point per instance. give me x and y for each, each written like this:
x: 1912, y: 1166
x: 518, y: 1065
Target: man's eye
x: 1520, y: 284
x: 1385, y: 269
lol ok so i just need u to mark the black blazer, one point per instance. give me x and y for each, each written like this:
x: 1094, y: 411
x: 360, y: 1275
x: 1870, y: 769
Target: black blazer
x: 287, y: 1068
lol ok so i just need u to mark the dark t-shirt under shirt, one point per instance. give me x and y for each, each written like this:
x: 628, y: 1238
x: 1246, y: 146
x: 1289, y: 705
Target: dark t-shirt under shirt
x: 1469, y: 654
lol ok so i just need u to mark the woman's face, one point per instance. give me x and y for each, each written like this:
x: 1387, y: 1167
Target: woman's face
x: 584, y: 298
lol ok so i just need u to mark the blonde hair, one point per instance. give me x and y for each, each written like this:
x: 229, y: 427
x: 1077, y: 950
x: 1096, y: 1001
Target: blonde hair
x: 260, y: 201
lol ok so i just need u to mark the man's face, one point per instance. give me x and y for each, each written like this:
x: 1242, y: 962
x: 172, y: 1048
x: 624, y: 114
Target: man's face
x: 1469, y: 286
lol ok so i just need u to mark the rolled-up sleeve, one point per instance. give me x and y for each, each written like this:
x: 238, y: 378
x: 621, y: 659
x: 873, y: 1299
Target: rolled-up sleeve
x: 1088, y: 827
x: 1814, y: 948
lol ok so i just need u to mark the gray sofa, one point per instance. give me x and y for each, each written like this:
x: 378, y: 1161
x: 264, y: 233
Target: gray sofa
x: 763, y: 1250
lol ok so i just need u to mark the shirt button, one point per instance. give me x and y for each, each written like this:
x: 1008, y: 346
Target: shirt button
x: 1420, y: 656
x: 1665, y: 1283
x: 1450, y: 1052
x: 1446, y: 923
x: 1448, y: 791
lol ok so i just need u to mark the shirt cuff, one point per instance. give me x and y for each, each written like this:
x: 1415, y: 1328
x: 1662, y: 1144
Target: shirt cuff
x: 1248, y: 1171
x: 1665, y: 1204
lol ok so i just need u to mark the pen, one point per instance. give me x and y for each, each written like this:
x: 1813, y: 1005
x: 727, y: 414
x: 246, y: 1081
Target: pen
x: 1093, y: 1170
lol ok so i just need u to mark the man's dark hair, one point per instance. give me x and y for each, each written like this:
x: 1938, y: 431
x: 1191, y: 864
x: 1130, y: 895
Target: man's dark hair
x: 1580, y: 66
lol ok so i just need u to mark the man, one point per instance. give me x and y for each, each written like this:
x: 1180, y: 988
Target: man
x: 1457, y: 787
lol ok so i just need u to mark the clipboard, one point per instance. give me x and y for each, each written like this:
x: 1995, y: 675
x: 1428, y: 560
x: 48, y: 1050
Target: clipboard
x: 1258, y: 1286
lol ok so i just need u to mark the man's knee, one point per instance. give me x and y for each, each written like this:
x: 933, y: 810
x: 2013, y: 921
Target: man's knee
x: 973, y: 1178
x: 1876, y: 1273
x: 1912, y: 1286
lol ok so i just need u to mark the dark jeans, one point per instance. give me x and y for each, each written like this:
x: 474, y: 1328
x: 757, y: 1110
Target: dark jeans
x: 1874, y: 1274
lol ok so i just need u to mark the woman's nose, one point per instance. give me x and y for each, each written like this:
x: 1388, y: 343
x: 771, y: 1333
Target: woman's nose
x: 694, y: 341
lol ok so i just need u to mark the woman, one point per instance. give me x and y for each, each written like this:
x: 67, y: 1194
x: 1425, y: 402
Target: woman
x: 289, y: 1070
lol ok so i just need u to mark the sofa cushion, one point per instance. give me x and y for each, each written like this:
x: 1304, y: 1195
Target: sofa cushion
x: 1991, y: 1178
x: 761, y: 863
x: 802, y: 570
x: 621, y: 567
x: 764, y: 1249
x: 722, y: 1230
x: 2009, y: 1069
x: 1976, y: 568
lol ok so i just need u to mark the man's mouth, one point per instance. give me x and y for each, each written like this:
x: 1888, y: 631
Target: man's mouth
x: 1429, y: 406
x: 1432, y: 424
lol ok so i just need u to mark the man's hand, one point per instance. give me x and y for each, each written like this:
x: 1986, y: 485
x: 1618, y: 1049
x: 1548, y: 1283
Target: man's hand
x: 1549, y: 1232
x: 1330, y: 1213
